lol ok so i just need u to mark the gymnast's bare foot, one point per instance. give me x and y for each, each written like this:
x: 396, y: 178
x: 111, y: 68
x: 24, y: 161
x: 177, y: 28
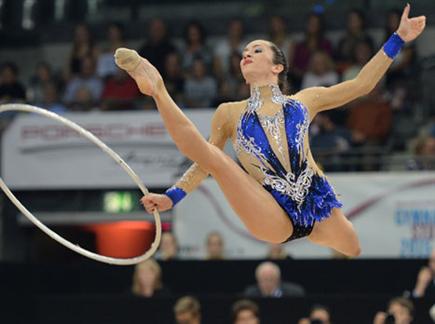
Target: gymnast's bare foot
x: 147, y: 77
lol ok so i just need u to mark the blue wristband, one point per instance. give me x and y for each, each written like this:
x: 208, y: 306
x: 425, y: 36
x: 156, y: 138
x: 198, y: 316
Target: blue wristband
x: 175, y: 194
x: 393, y: 46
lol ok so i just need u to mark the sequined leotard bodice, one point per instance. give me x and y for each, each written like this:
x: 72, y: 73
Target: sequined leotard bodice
x: 269, y: 132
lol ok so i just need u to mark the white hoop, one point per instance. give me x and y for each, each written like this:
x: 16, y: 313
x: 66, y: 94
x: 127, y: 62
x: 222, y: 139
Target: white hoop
x: 113, y: 155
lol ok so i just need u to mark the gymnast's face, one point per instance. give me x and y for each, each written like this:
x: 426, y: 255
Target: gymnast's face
x: 257, y: 62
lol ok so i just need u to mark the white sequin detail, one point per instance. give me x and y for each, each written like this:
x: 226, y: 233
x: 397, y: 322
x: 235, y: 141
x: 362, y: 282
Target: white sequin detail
x: 271, y: 124
x: 296, y: 189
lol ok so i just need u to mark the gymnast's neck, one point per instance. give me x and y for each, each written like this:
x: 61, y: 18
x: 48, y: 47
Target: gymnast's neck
x: 265, y: 90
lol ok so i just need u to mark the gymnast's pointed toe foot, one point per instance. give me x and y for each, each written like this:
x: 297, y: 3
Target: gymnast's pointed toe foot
x: 127, y: 59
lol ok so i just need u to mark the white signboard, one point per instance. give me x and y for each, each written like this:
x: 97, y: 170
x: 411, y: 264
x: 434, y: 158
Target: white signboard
x: 39, y: 153
x: 393, y: 214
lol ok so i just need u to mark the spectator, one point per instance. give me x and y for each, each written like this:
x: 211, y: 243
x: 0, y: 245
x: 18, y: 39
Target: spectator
x: 83, y: 47
x: 233, y: 87
x: 119, y: 92
x: 400, y: 311
x: 320, y: 72
x: 147, y: 280
x: 268, y: 276
x: 424, y: 153
x: 174, y: 78
x: 10, y: 88
x: 314, y: 40
x: 158, y: 46
x: 50, y: 99
x: 425, y: 285
x: 329, y: 141
x: 319, y: 314
x: 277, y: 252
x: 361, y: 55
x: 215, y: 246
x: 195, y: 46
x: 355, y: 32
x: 187, y: 310
x: 168, y: 247
x: 82, y: 100
x: 245, y: 312
x: 86, y: 79
x: 278, y: 35
x: 370, y: 118
x: 200, y: 89
x: 42, y: 76
x: 106, y: 66
x: 232, y: 44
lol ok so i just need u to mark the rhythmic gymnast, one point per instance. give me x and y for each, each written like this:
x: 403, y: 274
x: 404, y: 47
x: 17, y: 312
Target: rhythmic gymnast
x: 280, y: 194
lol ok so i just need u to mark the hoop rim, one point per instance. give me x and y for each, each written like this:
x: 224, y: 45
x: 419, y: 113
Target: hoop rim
x: 91, y: 137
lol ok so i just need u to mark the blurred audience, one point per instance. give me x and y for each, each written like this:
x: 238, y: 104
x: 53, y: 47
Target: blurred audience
x: 424, y: 153
x: 400, y: 311
x: 106, y: 66
x: 314, y: 41
x: 269, y: 284
x: 232, y: 44
x: 168, y: 249
x: 195, y: 47
x: 355, y: 32
x: 215, y: 246
x: 233, y: 87
x: 277, y: 252
x: 10, y: 88
x: 147, y: 280
x: 174, y: 77
x: 119, y: 92
x: 86, y: 80
x: 200, y: 88
x: 329, y: 141
x: 370, y: 118
x: 320, y: 71
x: 362, y: 53
x: 51, y: 100
x: 83, y: 46
x: 319, y: 314
x: 279, y: 36
x: 245, y: 311
x: 425, y: 283
x: 158, y: 45
x: 187, y: 310
x: 42, y: 76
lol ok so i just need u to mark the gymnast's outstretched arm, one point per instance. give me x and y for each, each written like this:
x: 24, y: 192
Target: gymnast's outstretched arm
x: 323, y: 98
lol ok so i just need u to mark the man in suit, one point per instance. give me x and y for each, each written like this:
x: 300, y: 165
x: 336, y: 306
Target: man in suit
x: 269, y: 283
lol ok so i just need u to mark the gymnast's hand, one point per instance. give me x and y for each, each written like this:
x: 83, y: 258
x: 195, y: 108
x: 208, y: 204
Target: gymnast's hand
x: 148, y: 79
x: 153, y: 201
x: 410, y: 28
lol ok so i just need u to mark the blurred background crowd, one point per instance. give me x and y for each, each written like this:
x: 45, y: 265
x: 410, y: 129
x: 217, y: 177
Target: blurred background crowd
x: 392, y: 128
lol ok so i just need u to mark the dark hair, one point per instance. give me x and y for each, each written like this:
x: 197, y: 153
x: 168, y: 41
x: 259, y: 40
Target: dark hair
x: 244, y: 304
x: 361, y: 15
x: 11, y: 66
x: 195, y: 24
x: 279, y: 58
x: 119, y: 26
x: 322, y: 23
